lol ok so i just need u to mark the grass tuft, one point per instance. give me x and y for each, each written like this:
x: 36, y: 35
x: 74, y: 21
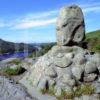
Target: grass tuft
x: 15, y: 61
x: 49, y: 91
x: 84, y: 90
x: 14, y: 71
x: 65, y: 95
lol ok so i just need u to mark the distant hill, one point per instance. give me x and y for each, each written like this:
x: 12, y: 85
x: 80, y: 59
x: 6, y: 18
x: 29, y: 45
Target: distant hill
x: 10, y: 47
x: 93, y: 41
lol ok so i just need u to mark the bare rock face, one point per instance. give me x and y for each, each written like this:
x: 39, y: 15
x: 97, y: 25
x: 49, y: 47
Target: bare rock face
x: 70, y: 26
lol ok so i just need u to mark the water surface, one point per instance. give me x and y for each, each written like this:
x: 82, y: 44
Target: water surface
x: 14, y: 55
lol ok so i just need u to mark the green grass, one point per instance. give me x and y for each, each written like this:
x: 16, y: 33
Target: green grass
x: 94, y: 34
x: 15, y: 61
x: 13, y: 71
x: 82, y: 90
x: 93, y: 40
x: 49, y: 91
x: 65, y: 95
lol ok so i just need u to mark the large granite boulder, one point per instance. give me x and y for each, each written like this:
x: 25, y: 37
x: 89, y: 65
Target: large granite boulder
x: 70, y: 28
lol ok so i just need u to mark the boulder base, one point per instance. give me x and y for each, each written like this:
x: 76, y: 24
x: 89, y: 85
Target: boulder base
x: 47, y: 73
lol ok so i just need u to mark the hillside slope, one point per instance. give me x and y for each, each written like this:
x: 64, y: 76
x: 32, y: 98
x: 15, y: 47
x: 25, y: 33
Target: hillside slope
x: 93, y: 41
x: 10, y: 47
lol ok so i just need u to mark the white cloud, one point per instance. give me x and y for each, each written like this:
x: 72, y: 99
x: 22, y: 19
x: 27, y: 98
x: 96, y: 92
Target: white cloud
x: 92, y: 4
x: 40, y: 15
x: 91, y: 9
x: 35, y: 20
x: 37, y: 23
x: 48, y: 18
x: 44, y: 18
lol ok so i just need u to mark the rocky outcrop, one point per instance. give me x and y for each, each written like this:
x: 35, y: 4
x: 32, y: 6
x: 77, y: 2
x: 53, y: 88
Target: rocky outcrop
x: 65, y: 68
x: 68, y: 72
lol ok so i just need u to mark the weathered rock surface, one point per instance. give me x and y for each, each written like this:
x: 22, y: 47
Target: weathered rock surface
x: 90, y: 67
x: 46, y: 72
x: 12, y: 91
x: 77, y: 72
x: 90, y: 77
x: 70, y: 26
x: 66, y: 66
x: 62, y: 62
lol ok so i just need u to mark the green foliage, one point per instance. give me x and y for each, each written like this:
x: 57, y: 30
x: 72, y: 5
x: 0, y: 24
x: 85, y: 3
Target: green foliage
x: 13, y: 71
x: 15, y: 61
x: 97, y: 46
x: 93, y: 40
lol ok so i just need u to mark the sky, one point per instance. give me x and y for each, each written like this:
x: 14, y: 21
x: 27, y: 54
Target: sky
x: 34, y: 21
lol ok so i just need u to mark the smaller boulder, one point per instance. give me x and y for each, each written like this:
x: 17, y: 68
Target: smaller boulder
x: 79, y: 59
x: 62, y: 62
x: 77, y: 72
x: 90, y: 67
x: 90, y: 77
x: 43, y: 84
x: 67, y: 79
